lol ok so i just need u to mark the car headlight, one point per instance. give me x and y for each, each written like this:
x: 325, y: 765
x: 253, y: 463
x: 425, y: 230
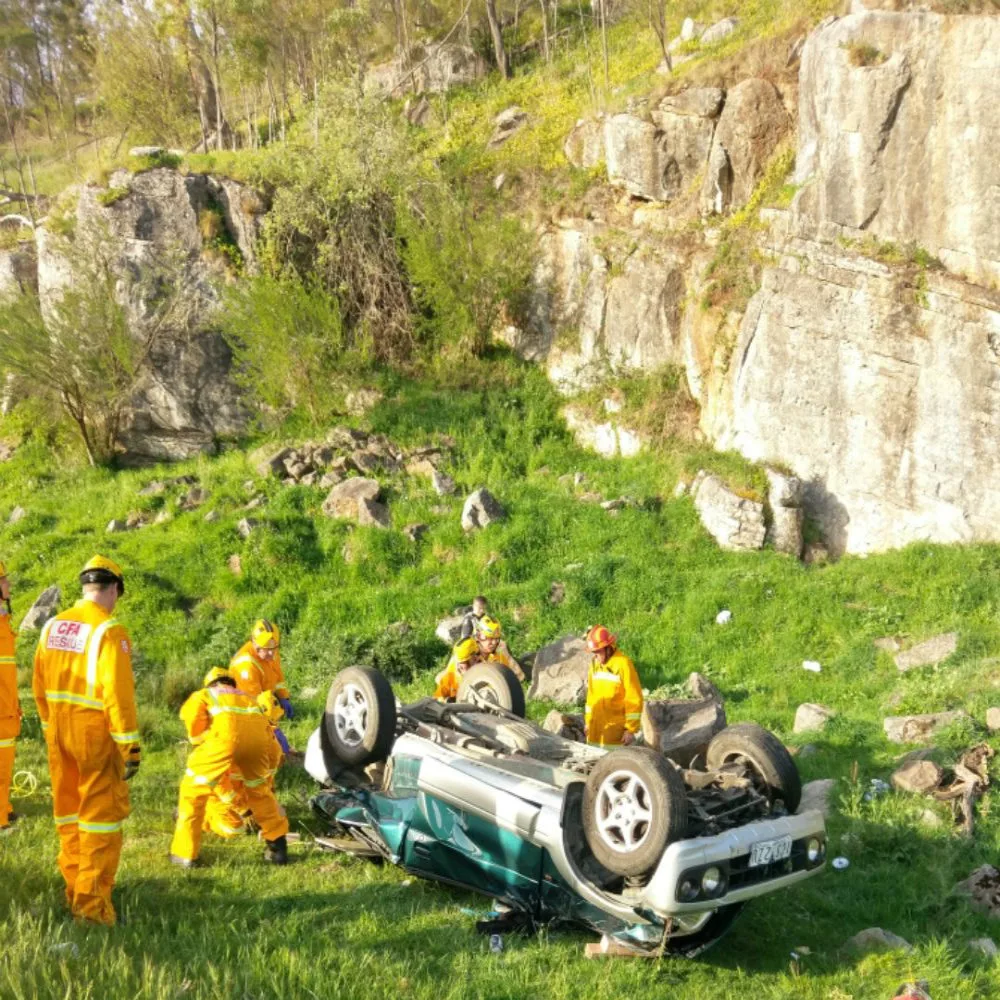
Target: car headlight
x: 711, y: 881
x: 688, y: 891
x: 815, y: 850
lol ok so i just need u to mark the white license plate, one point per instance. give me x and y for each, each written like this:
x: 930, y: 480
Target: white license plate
x: 766, y: 852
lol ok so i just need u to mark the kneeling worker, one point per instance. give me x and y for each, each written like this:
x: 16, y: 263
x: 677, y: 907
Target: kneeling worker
x: 465, y: 655
x: 231, y: 734
x: 614, y: 694
x: 489, y: 636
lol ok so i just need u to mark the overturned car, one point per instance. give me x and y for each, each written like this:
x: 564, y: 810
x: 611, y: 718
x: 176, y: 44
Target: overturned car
x: 657, y: 856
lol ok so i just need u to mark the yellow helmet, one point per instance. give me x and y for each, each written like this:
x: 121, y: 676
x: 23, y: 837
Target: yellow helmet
x: 466, y: 650
x: 100, y: 569
x: 214, y: 674
x: 267, y: 702
x: 488, y: 628
x: 265, y: 634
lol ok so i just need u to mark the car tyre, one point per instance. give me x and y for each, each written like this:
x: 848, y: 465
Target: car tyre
x: 634, y: 806
x: 495, y: 683
x: 359, y: 725
x: 771, y: 763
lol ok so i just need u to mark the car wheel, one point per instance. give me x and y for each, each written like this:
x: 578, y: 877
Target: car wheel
x: 492, y: 684
x: 634, y: 805
x: 771, y: 764
x: 360, y: 720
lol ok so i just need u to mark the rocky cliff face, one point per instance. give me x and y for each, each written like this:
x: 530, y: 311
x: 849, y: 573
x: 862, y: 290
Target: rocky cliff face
x: 188, y: 401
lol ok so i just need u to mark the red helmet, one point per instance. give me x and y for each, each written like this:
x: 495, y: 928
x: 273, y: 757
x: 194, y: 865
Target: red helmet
x: 600, y: 638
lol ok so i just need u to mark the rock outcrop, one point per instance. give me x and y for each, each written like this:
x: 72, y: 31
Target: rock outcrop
x: 430, y: 69
x: 735, y: 522
x: 153, y: 220
x: 18, y: 271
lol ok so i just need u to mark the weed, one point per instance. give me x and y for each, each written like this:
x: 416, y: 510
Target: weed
x: 864, y: 54
x: 112, y: 196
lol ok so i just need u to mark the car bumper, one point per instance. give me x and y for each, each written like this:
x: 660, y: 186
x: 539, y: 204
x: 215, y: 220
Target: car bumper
x: 730, y: 853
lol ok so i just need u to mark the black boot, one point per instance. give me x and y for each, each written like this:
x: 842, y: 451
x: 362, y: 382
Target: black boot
x: 277, y: 851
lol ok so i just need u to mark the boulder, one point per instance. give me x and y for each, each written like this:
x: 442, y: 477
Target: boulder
x: 929, y: 652
x: 735, y: 522
x: 569, y: 727
x: 505, y: 125
x: 816, y: 796
x: 373, y: 514
x: 427, y: 69
x: 415, y: 531
x: 115, y: 526
x: 982, y: 888
x: 784, y: 500
x: 443, y: 484
x: 194, y: 497
x: 560, y: 670
x: 45, y: 607
x: 584, y: 146
x: 752, y: 123
x: 875, y: 939
x: 481, y: 509
x: 919, y: 728
x: 681, y: 729
x: 18, y: 271
x: 993, y: 719
x: 247, y: 526
x: 986, y: 947
x: 812, y: 718
x: 691, y: 29
x: 343, y: 499
x: 699, y: 102
x: 360, y: 401
x: 920, y: 777
x: 449, y: 630
x: 719, y: 30
x: 17, y: 514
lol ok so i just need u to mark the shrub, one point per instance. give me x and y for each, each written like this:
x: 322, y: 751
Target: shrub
x: 112, y: 196
x: 864, y: 54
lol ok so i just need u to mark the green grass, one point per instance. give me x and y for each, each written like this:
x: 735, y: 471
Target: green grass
x: 330, y: 926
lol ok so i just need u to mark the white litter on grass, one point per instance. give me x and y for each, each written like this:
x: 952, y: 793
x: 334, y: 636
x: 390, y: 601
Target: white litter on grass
x: 68, y: 949
x: 812, y: 666
x: 496, y: 944
x: 724, y: 617
x: 840, y: 863
x: 406, y: 882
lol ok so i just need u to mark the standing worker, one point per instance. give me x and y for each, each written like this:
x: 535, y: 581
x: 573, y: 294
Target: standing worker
x: 256, y: 667
x: 85, y: 693
x: 231, y: 736
x: 10, y: 707
x: 614, y: 694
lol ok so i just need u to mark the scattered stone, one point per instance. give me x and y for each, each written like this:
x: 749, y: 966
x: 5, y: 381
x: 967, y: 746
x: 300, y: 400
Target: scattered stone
x: 481, y: 509
x: 986, y: 946
x: 212, y: 516
x: 449, y: 630
x: 724, y: 617
x: 719, y: 30
x: 569, y: 727
x: 136, y: 519
x: 373, y: 514
x: 443, y: 484
x: 993, y: 719
x: 269, y: 460
x: 247, y: 526
x: 162, y: 517
x: 887, y: 644
x: 919, y: 728
x: 6, y: 451
x: 927, y: 653
x: 255, y: 503
x: 235, y: 564
x: 877, y: 939
x: 46, y: 605
x: 785, y: 500
x: 421, y: 467
x: 735, y: 522
x: 560, y: 671
x: 343, y: 499
x: 194, y: 497
x: 691, y: 29
x: 931, y: 819
x: 330, y: 479
x: 17, y: 514
x: 811, y: 717
x: 983, y: 889
x: 506, y: 124
x: 619, y: 504
x: 590, y: 498
x: 115, y: 526
x: 360, y: 401
x: 415, y: 531
x: 816, y: 795
x: 346, y: 438
x: 154, y: 489
x: 557, y: 593
x: 920, y: 777
x: 680, y: 490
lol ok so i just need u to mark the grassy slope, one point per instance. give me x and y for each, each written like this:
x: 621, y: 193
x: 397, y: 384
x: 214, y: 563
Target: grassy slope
x: 331, y: 926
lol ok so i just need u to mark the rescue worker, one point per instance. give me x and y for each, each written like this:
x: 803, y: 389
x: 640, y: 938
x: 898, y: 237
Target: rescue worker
x: 489, y: 636
x: 472, y: 618
x: 85, y: 693
x: 614, y: 694
x: 256, y: 666
x: 465, y: 654
x: 10, y: 707
x: 231, y: 736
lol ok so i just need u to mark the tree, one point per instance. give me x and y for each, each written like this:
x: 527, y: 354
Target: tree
x: 92, y: 349
x: 496, y: 32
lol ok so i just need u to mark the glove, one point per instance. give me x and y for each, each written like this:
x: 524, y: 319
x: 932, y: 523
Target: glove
x: 132, y: 762
x: 286, y: 707
x: 282, y: 741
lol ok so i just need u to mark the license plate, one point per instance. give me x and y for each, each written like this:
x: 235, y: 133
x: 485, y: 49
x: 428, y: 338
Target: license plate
x: 766, y: 852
